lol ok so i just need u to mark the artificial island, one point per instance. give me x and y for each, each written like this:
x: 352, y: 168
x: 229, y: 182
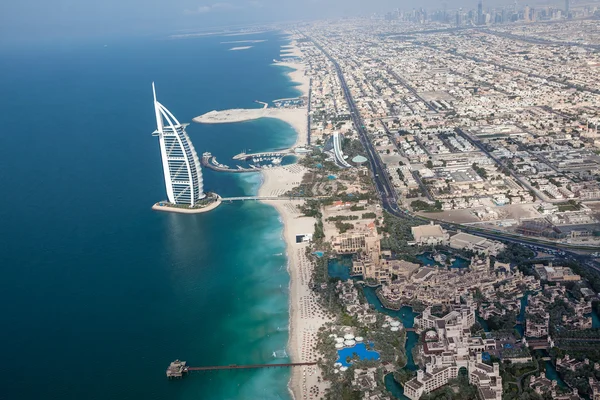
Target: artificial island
x: 181, y: 167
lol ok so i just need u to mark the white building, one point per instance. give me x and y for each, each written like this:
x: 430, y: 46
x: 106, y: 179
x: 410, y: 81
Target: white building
x: 429, y: 234
x: 181, y: 166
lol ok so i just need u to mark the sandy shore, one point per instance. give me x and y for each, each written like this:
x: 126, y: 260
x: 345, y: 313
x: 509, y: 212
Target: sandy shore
x: 296, y: 117
x: 290, y: 50
x: 306, y: 316
x: 298, y: 75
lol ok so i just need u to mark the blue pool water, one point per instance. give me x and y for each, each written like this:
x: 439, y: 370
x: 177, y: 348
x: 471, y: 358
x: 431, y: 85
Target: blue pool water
x: 361, y: 351
x: 331, y: 177
x: 318, y: 254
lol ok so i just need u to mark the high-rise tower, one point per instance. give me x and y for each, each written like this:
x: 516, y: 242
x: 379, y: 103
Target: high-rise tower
x: 480, y: 20
x: 181, y: 166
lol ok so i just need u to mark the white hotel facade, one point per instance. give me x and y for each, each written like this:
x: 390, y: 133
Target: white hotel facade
x: 181, y: 165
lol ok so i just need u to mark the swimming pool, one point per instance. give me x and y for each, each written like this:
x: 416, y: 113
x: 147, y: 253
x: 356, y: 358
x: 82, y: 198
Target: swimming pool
x: 361, y: 351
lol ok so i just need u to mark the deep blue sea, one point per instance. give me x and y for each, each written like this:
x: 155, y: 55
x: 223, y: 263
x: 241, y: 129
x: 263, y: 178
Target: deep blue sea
x: 98, y: 293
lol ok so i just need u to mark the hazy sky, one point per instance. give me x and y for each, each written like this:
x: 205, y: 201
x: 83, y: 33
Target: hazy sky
x: 76, y: 18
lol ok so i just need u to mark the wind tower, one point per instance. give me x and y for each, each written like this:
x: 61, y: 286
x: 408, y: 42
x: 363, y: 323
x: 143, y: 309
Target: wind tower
x: 181, y: 166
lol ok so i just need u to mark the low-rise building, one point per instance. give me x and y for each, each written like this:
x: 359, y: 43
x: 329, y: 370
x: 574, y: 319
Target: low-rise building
x: 429, y: 234
x: 477, y: 244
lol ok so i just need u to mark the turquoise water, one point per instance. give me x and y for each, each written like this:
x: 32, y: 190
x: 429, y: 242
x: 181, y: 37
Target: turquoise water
x: 100, y: 293
x: 552, y: 374
x: 319, y: 253
x: 360, y: 349
x: 520, y: 326
x: 394, y: 387
x: 482, y: 322
x: 406, y: 315
x: 427, y: 259
x: 340, y: 267
x: 595, y: 319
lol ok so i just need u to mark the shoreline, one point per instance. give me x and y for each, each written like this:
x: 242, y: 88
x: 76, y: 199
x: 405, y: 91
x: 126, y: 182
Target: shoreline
x: 296, y: 117
x: 276, y: 182
x: 298, y: 75
x: 179, y: 210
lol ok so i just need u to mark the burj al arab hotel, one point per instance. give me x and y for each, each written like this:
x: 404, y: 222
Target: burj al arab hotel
x: 181, y: 166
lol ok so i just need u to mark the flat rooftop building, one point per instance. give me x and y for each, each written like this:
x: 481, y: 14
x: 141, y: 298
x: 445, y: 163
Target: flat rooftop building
x: 429, y: 234
x: 475, y: 243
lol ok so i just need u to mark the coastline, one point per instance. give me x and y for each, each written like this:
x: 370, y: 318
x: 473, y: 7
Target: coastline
x: 298, y: 75
x: 305, y: 314
x: 296, y: 117
x: 179, y: 210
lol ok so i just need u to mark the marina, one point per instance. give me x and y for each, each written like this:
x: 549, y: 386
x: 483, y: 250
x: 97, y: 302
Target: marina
x: 273, y: 159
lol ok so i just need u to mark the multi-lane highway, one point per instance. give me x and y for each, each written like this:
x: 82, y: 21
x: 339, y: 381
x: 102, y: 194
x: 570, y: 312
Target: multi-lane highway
x: 388, y: 195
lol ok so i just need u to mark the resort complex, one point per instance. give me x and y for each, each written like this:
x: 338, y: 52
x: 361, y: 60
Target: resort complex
x: 440, y: 265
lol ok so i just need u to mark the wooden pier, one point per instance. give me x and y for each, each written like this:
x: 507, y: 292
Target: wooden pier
x: 177, y: 369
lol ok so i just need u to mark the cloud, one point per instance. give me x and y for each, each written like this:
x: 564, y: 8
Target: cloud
x: 204, y: 9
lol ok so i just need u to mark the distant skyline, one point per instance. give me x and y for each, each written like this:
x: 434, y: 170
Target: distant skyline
x: 70, y: 19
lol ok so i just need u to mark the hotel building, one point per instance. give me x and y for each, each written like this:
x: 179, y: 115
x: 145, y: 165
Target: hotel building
x: 181, y: 166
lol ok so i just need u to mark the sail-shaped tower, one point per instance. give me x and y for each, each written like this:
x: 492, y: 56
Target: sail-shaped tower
x: 181, y: 166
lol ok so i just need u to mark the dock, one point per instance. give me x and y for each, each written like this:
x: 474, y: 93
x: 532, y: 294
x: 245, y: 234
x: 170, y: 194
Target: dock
x: 211, y: 162
x: 266, y: 154
x: 177, y: 369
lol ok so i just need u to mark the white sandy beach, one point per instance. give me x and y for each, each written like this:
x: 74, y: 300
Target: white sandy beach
x: 296, y: 117
x: 306, y: 316
x: 290, y: 50
x: 298, y: 75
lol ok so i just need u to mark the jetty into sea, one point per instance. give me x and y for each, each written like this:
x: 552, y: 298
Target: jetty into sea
x: 178, y: 369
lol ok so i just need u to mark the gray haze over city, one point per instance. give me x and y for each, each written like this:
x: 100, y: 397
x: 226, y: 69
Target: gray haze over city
x: 31, y: 19
x: 442, y: 214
